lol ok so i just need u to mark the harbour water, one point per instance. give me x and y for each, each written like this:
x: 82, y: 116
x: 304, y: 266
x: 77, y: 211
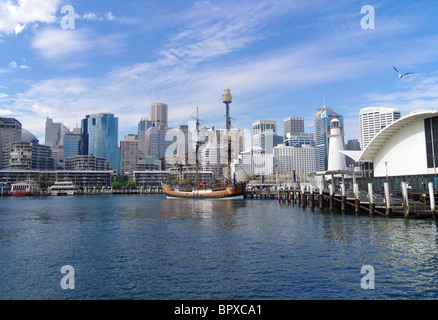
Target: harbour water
x: 149, y: 247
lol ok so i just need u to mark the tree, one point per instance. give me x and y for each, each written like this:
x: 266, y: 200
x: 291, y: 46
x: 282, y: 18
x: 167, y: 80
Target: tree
x: 129, y: 184
x: 116, y: 185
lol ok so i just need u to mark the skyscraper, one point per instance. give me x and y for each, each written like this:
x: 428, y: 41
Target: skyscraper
x: 293, y: 125
x: 159, y: 115
x: 143, y: 126
x: 100, y: 137
x: 10, y: 131
x: 128, y: 153
x: 264, y: 135
x: 157, y: 142
x: 71, y: 145
x: 322, y: 126
x: 54, y: 134
x: 373, y: 120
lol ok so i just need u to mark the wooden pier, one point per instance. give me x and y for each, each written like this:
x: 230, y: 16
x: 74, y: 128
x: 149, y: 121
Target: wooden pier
x: 390, y: 203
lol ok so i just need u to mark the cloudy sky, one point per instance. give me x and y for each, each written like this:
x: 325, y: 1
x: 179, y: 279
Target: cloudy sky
x: 278, y: 57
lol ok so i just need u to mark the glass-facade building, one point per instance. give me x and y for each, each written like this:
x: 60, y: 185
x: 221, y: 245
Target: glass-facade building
x: 99, y: 137
x: 71, y: 145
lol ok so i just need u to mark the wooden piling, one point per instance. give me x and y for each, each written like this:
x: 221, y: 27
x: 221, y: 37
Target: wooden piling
x: 371, y: 199
x: 332, y: 195
x: 320, y: 197
x: 343, y: 198
x: 312, y: 199
x: 405, y: 199
x: 432, y: 198
x: 387, y: 198
x: 356, y: 198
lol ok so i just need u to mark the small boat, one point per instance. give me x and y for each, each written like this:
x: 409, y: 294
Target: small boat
x: 229, y: 190
x: 25, y: 188
x: 63, y: 187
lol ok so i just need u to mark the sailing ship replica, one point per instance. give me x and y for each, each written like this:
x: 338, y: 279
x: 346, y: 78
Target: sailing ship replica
x: 229, y: 190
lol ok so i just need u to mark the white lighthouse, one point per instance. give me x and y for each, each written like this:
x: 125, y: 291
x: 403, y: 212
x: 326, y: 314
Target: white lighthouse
x: 336, y: 160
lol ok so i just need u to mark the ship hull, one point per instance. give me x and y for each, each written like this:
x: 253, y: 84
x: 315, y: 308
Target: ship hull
x: 227, y: 193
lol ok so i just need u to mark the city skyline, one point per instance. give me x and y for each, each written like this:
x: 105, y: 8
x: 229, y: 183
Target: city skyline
x: 285, y: 56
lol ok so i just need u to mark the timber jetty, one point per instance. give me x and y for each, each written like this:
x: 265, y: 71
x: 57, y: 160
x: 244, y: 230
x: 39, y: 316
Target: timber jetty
x: 333, y: 194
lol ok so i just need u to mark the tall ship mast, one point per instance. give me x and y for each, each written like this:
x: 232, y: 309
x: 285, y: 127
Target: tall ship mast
x: 228, y: 190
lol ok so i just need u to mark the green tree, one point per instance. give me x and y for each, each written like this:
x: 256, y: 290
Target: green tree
x: 129, y: 184
x: 116, y: 185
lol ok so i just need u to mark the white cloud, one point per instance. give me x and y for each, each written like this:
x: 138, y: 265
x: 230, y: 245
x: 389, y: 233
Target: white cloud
x: 14, y: 65
x: 5, y: 113
x: 56, y: 44
x: 16, y: 15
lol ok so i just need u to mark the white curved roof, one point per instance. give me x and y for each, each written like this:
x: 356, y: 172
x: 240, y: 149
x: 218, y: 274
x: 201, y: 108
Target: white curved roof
x: 383, y: 136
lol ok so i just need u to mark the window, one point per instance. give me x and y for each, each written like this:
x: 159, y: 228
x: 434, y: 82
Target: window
x: 431, y: 131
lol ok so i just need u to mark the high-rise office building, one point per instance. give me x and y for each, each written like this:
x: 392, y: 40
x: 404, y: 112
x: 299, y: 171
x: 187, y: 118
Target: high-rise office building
x: 373, y: 120
x: 295, y: 160
x: 159, y: 115
x: 254, y: 162
x: 298, y: 139
x: 128, y: 153
x: 10, y: 131
x: 99, y: 137
x: 293, y: 125
x: 182, y: 151
x: 71, y: 145
x: 322, y: 126
x: 264, y: 135
x: 157, y: 142
x: 143, y: 126
x: 54, y: 133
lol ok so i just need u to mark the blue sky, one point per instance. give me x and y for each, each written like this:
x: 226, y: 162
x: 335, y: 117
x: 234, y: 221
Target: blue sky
x: 278, y: 58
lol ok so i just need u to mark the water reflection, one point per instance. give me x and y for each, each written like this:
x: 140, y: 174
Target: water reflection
x: 219, y: 211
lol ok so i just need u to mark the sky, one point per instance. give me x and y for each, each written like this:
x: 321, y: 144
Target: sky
x: 280, y: 58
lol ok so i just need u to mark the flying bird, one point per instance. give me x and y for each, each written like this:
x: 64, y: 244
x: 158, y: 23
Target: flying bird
x: 399, y: 74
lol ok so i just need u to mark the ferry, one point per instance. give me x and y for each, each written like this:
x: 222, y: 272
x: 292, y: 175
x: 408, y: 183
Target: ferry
x: 64, y: 187
x: 25, y: 188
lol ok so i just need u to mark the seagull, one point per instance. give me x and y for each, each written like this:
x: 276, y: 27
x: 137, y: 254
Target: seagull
x: 399, y: 74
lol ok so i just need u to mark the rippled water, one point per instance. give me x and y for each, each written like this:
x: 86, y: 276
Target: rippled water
x: 148, y: 247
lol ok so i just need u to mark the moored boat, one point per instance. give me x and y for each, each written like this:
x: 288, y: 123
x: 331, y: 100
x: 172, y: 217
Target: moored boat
x: 25, y: 188
x: 62, y: 187
x: 232, y: 192
x: 229, y: 190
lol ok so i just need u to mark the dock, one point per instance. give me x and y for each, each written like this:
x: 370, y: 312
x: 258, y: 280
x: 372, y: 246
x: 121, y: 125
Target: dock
x: 391, y: 203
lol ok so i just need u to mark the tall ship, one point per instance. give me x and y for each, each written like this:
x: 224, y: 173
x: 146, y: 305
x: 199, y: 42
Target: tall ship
x: 62, y: 187
x: 25, y: 188
x: 229, y: 188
